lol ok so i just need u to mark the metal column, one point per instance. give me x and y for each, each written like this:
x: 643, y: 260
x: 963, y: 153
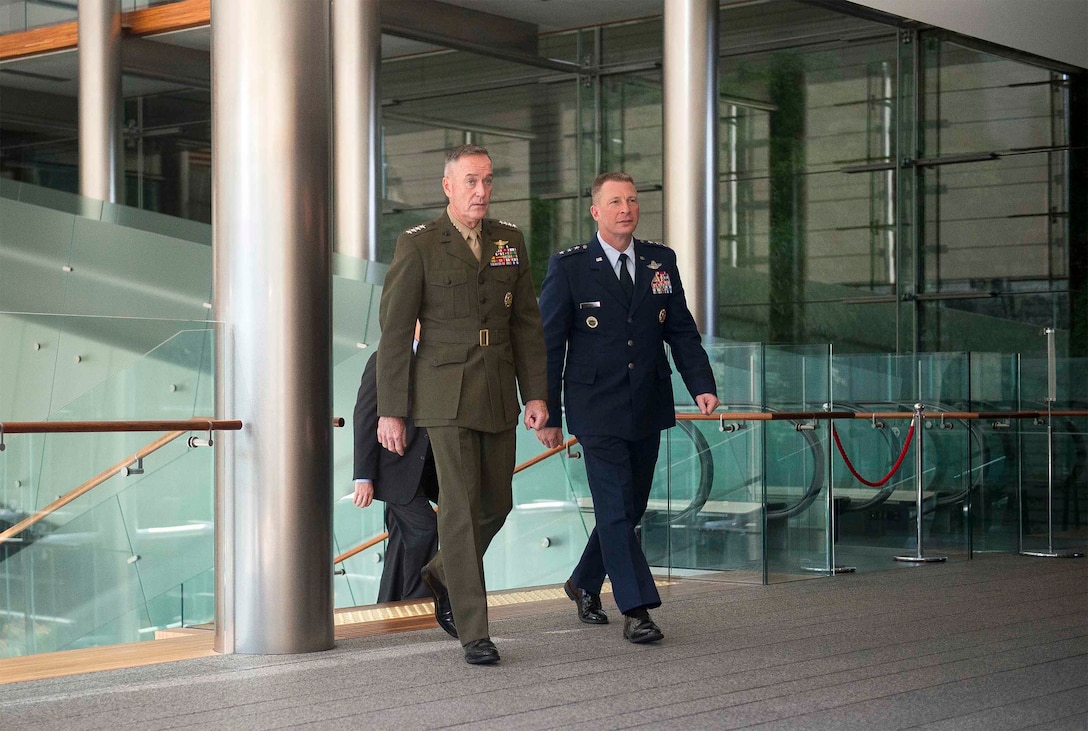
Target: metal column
x: 691, y: 150
x: 356, y: 58
x: 101, y: 154
x: 272, y: 294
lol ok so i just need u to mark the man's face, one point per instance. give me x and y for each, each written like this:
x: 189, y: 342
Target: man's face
x: 468, y: 186
x: 616, y: 211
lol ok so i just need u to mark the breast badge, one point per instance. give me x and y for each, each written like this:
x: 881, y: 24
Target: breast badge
x: 505, y: 255
x: 661, y: 317
x: 654, y: 264
x: 508, y: 299
x: 661, y: 284
x: 591, y: 321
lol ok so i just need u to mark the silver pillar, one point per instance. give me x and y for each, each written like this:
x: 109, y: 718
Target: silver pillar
x: 356, y: 57
x: 691, y: 150
x: 272, y: 292
x: 101, y: 154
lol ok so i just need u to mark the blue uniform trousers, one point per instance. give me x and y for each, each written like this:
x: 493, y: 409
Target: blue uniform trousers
x: 621, y: 473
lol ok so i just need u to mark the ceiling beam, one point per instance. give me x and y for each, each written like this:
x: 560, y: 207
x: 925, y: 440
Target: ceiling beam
x: 429, y: 21
x: 175, y: 64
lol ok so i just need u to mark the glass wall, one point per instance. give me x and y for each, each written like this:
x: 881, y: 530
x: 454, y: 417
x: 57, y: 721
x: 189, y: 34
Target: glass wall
x: 881, y: 189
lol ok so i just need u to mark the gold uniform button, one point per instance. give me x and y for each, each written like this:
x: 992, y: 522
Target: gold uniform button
x: 630, y: 366
x: 630, y: 343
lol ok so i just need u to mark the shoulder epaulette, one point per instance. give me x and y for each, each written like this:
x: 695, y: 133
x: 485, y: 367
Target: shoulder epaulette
x: 576, y: 249
x: 507, y: 224
x: 418, y: 229
x: 655, y: 243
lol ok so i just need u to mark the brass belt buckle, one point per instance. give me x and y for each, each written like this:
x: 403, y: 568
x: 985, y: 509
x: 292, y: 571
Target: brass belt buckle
x: 485, y: 338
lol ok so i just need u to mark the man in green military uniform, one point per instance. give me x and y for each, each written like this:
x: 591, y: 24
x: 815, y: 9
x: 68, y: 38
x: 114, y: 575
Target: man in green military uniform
x: 466, y: 279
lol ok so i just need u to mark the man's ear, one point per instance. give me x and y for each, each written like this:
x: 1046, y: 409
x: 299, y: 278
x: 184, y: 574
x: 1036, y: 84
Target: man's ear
x: 595, y: 212
x: 446, y: 186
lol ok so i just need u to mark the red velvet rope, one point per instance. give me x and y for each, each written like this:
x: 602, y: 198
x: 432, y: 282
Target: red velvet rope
x: 849, y: 466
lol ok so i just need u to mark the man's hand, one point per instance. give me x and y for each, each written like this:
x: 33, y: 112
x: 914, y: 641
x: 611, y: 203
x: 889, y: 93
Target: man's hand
x: 707, y: 402
x: 391, y: 433
x: 550, y: 436
x: 364, y: 493
x: 536, y: 414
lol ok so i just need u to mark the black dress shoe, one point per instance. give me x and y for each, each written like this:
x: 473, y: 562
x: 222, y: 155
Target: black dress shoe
x: 481, y: 652
x: 589, y: 605
x: 640, y: 629
x: 443, y: 612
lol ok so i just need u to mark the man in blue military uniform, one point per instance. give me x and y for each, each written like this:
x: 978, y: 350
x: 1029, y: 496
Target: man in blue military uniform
x: 609, y: 306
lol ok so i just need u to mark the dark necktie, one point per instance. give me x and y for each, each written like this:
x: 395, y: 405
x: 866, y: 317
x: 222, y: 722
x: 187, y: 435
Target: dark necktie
x: 626, y: 284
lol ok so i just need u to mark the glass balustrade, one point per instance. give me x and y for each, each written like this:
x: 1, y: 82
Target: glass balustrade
x: 741, y: 500
x: 109, y: 566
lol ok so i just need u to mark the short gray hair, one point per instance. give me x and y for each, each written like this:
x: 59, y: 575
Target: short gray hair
x: 456, y: 153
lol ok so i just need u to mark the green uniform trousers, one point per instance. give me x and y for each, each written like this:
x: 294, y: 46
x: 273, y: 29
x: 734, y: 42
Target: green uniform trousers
x: 475, y: 471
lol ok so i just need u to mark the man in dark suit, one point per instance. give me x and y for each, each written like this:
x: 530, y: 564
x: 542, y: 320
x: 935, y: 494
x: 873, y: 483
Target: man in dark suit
x: 467, y: 279
x: 609, y: 306
x: 407, y: 484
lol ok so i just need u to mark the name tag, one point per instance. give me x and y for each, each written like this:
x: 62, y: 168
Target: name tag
x: 589, y: 305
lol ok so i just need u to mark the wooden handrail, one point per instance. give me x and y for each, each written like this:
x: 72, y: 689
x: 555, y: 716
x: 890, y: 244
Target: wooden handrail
x: 145, y: 21
x: 523, y: 466
x: 868, y: 415
x: 88, y: 485
x: 81, y: 427
x: 176, y: 427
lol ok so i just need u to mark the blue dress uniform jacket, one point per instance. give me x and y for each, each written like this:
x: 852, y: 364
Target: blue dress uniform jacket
x: 609, y: 358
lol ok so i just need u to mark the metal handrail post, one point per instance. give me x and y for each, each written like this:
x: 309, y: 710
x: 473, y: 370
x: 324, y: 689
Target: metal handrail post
x: 919, y: 479
x: 1051, y: 397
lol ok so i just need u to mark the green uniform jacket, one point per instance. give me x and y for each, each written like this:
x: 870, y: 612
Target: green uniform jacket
x: 481, y: 329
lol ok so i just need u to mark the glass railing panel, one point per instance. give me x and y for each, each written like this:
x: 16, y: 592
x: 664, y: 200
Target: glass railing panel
x: 994, y: 454
x: 950, y: 448
x: 168, y: 514
x: 354, y: 303
x: 147, y: 275
x: 20, y: 474
x: 160, y: 519
x: 167, y: 382
x: 57, y: 200
x: 873, y: 524
x: 797, y: 378
x: 699, y: 520
x: 23, y: 15
x: 545, y: 533
x: 711, y: 525
x: 1054, y: 488
x: 358, y: 585
x: 69, y: 582
x: 36, y: 243
x: 187, y: 604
